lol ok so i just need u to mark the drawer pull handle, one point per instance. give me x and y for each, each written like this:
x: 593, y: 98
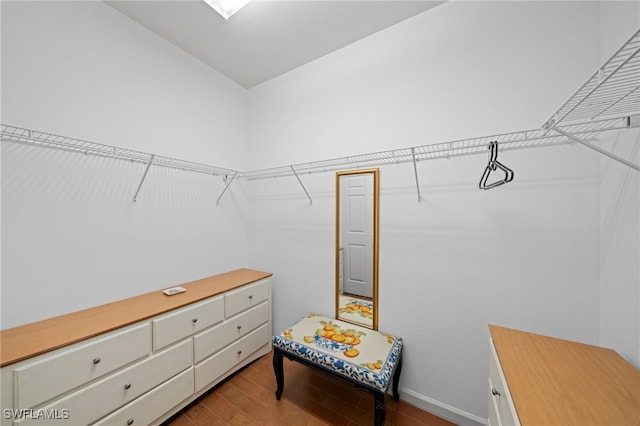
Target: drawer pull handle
x: 239, y: 352
x: 96, y: 360
x: 250, y: 296
x: 195, y: 320
x: 127, y: 386
x: 130, y: 422
x: 494, y: 391
x: 239, y: 327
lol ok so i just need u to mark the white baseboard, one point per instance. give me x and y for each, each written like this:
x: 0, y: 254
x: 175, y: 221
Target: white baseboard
x: 440, y: 409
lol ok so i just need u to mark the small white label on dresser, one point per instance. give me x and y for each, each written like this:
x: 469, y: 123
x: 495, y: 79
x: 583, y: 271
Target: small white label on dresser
x: 174, y: 290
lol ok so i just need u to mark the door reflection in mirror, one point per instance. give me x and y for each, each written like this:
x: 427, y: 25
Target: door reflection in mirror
x: 357, y: 246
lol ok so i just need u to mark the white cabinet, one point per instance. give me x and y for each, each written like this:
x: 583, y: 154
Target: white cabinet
x: 246, y: 297
x: 223, y: 361
x: 501, y: 408
x: 144, y: 410
x: 144, y: 372
x: 39, y: 381
x: 104, y: 396
x: 543, y: 380
x: 187, y: 321
x: 215, y: 338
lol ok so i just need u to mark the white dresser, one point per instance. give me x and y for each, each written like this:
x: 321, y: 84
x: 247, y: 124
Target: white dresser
x: 502, y: 412
x: 137, y: 361
x: 540, y: 380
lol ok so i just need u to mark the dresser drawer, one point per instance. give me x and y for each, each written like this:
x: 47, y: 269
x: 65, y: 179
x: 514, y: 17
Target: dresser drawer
x: 145, y: 410
x: 246, y: 297
x: 214, y: 339
x: 42, y: 380
x: 187, y: 321
x: 99, y: 399
x: 215, y: 367
x: 493, y: 418
x: 501, y: 408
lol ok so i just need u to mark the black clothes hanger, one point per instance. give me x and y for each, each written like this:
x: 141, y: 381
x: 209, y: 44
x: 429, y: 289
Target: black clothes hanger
x: 493, y: 165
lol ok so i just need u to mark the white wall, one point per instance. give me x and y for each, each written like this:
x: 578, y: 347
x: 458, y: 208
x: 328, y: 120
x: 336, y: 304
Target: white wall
x: 620, y: 215
x: 443, y: 75
x: 539, y: 254
x: 620, y: 248
x: 82, y: 69
x: 72, y: 237
x: 526, y: 255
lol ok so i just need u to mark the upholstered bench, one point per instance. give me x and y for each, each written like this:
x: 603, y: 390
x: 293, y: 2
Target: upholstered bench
x: 367, y: 358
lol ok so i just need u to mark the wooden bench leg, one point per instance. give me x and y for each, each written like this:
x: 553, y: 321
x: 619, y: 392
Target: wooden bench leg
x: 378, y: 396
x: 277, y: 368
x: 396, y: 379
x: 380, y: 409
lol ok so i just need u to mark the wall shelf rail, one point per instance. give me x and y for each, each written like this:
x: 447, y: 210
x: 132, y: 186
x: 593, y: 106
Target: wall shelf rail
x: 612, y: 92
x: 48, y: 140
x: 609, y: 100
x: 508, y: 141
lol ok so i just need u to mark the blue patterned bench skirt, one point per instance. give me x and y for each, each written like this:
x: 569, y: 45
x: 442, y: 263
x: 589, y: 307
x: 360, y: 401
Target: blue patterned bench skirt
x: 370, y: 360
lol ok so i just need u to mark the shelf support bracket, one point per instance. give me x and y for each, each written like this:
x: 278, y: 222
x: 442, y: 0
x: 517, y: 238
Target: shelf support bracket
x: 301, y: 184
x: 415, y: 172
x: 144, y: 176
x: 226, y: 187
x: 598, y: 149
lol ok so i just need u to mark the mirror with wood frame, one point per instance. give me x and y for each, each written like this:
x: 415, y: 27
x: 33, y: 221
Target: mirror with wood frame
x: 357, y: 247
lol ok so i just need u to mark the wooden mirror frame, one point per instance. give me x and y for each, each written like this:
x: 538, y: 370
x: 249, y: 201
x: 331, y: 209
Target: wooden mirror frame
x: 374, y: 261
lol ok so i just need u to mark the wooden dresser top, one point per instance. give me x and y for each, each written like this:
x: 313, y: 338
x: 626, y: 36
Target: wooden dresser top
x: 558, y: 382
x: 33, y: 339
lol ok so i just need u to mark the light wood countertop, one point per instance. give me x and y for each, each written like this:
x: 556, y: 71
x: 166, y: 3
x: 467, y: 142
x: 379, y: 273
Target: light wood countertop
x: 32, y: 339
x: 558, y: 382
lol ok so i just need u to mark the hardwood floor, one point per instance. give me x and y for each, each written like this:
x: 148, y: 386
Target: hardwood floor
x: 309, y: 398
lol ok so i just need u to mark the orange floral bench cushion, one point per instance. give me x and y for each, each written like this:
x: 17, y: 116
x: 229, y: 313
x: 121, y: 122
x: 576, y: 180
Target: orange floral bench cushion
x: 361, y: 354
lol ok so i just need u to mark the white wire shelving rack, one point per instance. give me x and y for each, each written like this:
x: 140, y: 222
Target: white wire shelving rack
x: 609, y: 100
x: 48, y: 140
x: 507, y: 142
x: 612, y: 91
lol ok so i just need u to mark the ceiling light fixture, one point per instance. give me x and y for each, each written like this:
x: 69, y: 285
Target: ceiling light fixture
x: 226, y: 8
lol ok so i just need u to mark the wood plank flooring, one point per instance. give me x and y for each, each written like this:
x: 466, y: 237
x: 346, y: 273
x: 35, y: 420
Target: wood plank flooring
x: 309, y: 398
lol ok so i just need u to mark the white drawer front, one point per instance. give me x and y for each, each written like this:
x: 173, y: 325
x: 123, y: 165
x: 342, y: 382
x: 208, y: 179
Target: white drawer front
x: 500, y: 401
x: 152, y: 405
x: 187, y: 321
x: 52, y: 376
x: 214, y: 367
x: 96, y: 400
x: 211, y: 341
x: 246, y: 297
x: 494, y: 419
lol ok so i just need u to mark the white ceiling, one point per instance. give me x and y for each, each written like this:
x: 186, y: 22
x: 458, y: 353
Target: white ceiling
x: 267, y: 37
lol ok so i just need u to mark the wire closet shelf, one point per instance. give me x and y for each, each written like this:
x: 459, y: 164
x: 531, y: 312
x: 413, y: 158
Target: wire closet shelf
x: 612, y: 91
x: 47, y: 140
x: 507, y: 141
x: 607, y: 101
